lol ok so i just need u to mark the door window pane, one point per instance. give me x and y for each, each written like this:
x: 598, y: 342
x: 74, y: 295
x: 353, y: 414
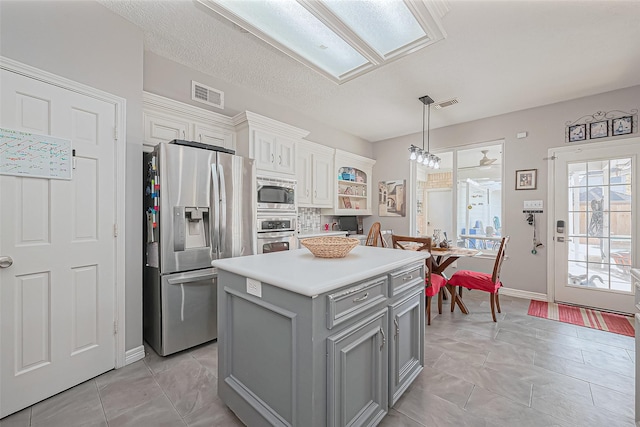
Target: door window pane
x: 600, y: 226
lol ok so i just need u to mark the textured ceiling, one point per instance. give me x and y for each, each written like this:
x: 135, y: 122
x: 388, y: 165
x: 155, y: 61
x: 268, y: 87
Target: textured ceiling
x: 498, y: 57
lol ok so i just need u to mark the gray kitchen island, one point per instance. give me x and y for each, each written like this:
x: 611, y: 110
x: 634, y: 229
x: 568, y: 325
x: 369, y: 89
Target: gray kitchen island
x: 306, y: 341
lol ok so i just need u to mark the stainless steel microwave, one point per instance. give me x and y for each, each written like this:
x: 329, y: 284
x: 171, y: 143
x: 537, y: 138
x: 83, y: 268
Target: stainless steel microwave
x: 276, y: 194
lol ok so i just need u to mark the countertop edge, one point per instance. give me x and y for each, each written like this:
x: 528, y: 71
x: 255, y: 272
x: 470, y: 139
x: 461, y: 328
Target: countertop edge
x: 330, y: 284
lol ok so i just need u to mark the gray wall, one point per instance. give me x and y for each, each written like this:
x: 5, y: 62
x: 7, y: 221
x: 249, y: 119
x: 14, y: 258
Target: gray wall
x: 172, y: 80
x: 546, y: 129
x: 85, y: 42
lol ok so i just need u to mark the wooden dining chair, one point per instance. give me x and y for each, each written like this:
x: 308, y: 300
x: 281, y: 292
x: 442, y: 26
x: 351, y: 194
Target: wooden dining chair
x: 374, y: 238
x: 434, y: 283
x: 482, y: 281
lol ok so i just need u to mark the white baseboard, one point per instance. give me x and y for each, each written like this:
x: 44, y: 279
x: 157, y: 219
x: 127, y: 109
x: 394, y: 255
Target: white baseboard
x: 517, y: 293
x: 133, y: 355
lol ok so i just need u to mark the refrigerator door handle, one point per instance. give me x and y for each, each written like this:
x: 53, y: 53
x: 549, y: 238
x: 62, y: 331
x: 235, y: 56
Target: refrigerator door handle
x: 215, y: 202
x: 195, y: 278
x: 223, y: 210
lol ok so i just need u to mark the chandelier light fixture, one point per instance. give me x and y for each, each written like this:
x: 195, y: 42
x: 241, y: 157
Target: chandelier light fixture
x: 421, y: 155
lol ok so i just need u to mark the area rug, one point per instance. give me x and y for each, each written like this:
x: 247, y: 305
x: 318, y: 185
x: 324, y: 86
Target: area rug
x: 581, y: 316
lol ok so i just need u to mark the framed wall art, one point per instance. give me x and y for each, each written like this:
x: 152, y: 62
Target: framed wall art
x: 527, y: 179
x: 621, y: 126
x: 599, y: 129
x: 577, y: 132
x: 392, y: 198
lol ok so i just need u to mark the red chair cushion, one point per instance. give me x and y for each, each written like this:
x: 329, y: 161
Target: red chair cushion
x: 474, y: 280
x: 437, y: 283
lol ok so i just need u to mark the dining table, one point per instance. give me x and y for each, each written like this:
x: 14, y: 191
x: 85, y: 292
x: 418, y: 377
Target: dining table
x: 443, y: 258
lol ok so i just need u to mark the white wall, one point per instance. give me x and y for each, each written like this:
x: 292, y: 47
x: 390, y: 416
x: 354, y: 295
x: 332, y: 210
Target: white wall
x: 85, y: 42
x: 173, y: 80
x: 546, y: 128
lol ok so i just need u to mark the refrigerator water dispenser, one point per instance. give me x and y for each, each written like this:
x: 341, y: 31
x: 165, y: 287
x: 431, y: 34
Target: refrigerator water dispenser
x: 191, y: 228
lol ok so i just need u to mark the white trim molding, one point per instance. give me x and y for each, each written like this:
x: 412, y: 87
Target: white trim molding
x: 518, y: 293
x: 119, y: 105
x: 133, y: 355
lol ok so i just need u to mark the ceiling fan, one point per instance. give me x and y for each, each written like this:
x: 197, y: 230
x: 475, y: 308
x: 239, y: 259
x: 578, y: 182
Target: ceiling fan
x: 485, y: 161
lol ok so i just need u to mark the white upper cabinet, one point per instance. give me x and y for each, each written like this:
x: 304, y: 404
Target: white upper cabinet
x: 165, y: 120
x: 314, y: 173
x: 271, y: 143
x: 352, y: 185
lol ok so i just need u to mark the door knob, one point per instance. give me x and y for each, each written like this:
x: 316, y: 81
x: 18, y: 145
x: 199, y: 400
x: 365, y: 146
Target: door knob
x: 6, y: 261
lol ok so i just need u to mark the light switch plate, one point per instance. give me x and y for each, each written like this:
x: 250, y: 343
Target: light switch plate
x: 533, y: 204
x: 254, y: 287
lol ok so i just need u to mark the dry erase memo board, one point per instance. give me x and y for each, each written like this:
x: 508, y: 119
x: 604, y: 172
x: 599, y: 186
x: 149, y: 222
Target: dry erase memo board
x: 32, y: 155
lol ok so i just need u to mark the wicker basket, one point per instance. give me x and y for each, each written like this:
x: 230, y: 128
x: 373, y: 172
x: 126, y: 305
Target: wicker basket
x: 330, y: 247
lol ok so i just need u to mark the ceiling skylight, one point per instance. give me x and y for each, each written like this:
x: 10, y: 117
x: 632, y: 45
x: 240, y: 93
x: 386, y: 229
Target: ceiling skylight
x: 341, y: 39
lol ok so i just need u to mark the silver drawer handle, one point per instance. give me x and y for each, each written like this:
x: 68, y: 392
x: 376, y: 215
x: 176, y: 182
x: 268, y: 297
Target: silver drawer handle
x: 362, y: 298
x: 395, y: 321
x: 409, y: 277
x: 384, y: 338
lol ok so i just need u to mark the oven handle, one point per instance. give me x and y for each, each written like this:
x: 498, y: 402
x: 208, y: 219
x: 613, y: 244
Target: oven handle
x: 260, y: 184
x: 276, y: 234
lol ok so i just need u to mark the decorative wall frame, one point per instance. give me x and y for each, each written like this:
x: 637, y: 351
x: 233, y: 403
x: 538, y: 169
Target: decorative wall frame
x: 392, y: 198
x: 527, y: 179
x: 622, y: 125
x: 599, y: 129
x: 577, y: 132
x: 602, y: 125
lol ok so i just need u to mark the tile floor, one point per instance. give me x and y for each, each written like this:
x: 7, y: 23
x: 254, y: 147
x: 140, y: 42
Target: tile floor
x: 522, y: 371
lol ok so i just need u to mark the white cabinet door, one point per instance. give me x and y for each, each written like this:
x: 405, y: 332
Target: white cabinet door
x: 264, y: 147
x: 304, y: 177
x: 273, y: 153
x: 322, y: 180
x: 213, y: 136
x: 285, y: 156
x: 159, y: 128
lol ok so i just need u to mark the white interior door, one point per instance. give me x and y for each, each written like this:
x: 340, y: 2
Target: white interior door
x: 596, y: 196
x: 57, y: 298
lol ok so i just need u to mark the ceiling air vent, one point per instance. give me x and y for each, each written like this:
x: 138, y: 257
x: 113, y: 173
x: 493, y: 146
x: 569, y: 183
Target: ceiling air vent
x: 207, y: 95
x: 442, y: 104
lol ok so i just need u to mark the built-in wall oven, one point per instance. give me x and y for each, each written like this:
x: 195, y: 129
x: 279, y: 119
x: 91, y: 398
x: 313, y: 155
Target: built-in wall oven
x: 276, y: 195
x: 276, y: 233
x: 277, y: 214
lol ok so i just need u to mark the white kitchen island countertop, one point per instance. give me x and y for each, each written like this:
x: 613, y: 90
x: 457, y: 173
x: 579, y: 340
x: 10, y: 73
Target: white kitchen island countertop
x: 301, y: 272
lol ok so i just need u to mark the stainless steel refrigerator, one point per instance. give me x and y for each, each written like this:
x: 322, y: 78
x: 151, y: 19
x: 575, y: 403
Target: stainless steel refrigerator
x: 199, y: 206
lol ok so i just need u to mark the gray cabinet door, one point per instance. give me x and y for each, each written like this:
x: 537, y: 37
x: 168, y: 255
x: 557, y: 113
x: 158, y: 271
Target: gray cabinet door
x: 357, y: 372
x: 406, y: 341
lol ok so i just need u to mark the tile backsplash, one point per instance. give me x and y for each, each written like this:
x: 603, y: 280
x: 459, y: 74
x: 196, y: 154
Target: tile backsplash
x: 309, y: 219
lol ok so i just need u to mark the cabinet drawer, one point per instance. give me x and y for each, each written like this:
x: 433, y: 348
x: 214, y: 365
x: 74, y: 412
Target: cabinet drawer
x: 401, y: 280
x: 348, y: 303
